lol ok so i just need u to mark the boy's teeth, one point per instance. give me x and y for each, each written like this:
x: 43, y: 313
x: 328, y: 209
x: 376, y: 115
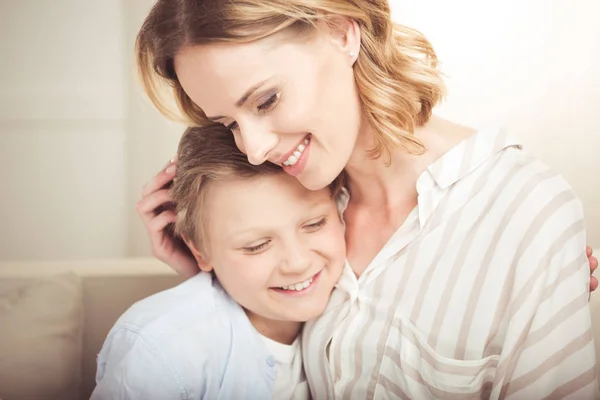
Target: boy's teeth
x: 293, y: 159
x: 298, y: 286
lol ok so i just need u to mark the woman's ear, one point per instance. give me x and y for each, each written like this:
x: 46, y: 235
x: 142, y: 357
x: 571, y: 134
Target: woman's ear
x: 200, y: 259
x: 345, y: 35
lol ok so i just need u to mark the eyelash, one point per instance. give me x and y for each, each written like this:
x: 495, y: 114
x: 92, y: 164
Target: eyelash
x: 268, y: 104
x: 256, y: 249
x: 317, y: 224
x: 265, y: 107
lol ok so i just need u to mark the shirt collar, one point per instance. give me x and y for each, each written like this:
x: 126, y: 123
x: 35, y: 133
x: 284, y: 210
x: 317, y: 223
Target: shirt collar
x: 457, y: 163
x: 469, y: 155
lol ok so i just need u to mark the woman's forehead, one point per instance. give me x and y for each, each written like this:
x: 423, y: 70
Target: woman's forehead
x: 216, y: 73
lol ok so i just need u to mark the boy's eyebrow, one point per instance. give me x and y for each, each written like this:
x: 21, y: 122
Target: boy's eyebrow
x: 242, y: 99
x: 240, y: 232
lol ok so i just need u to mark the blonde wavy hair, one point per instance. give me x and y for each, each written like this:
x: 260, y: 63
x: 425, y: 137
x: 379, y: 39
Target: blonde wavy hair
x: 396, y: 71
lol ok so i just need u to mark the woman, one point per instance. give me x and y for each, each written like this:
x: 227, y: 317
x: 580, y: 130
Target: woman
x: 444, y: 223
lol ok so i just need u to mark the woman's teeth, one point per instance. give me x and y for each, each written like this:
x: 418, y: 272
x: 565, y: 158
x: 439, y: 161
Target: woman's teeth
x: 298, y: 286
x: 293, y: 159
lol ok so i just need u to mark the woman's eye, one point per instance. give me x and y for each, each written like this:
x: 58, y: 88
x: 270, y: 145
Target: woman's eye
x: 316, y: 225
x: 232, y: 126
x: 269, y: 104
x: 257, y: 248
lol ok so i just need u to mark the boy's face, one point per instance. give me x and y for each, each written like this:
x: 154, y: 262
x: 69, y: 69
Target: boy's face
x: 277, y: 248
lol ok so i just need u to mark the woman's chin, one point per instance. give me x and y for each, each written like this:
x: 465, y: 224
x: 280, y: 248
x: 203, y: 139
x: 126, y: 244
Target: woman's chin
x: 317, y: 180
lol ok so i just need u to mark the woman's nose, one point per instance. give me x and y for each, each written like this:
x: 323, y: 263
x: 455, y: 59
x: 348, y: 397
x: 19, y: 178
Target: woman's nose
x: 257, y: 143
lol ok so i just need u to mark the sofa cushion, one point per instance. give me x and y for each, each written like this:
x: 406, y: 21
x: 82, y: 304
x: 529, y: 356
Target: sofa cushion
x: 41, y: 324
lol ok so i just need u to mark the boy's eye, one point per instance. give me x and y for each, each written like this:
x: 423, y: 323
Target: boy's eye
x: 257, y: 248
x: 316, y: 225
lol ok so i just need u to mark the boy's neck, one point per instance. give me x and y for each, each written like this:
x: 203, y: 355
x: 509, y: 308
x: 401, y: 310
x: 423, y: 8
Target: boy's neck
x: 280, y: 331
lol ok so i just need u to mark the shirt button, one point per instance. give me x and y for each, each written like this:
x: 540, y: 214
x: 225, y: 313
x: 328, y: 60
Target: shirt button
x: 271, y: 361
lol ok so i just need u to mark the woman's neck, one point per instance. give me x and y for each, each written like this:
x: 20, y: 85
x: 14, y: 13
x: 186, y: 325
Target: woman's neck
x: 375, y: 183
x: 280, y: 331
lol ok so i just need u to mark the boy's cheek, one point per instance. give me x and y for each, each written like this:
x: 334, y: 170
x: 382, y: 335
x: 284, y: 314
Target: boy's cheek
x: 334, y: 244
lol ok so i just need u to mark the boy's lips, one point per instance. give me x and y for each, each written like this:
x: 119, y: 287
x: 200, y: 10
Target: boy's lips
x: 293, y: 291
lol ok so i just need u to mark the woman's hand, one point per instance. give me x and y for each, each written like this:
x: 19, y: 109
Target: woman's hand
x: 156, y: 209
x: 593, y: 265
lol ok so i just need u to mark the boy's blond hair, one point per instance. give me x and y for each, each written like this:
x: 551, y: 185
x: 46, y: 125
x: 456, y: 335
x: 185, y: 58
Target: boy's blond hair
x: 206, y: 155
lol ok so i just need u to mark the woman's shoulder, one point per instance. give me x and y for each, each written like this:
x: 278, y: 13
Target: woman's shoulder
x: 526, y: 177
x: 534, y: 207
x: 495, y: 161
x: 499, y: 178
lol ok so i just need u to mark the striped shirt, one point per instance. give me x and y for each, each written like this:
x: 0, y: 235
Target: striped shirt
x: 481, y: 293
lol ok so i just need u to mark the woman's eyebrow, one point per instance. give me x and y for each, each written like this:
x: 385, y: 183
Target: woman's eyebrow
x: 249, y: 93
x: 242, y: 99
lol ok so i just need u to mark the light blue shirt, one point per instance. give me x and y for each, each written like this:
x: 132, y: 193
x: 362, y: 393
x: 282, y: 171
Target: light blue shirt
x: 189, y: 342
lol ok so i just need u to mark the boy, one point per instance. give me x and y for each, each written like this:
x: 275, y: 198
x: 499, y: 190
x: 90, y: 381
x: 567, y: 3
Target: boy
x: 271, y: 252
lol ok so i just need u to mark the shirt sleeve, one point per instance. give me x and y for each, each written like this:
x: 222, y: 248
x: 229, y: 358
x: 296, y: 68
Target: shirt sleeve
x: 548, y: 349
x: 131, y: 367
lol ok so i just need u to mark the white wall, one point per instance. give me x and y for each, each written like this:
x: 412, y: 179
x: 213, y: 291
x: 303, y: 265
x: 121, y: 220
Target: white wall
x: 78, y: 139
x: 152, y: 139
x: 533, y: 66
x: 62, y: 137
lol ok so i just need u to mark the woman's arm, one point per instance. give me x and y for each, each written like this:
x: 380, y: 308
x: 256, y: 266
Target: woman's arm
x: 548, y: 349
x: 156, y: 211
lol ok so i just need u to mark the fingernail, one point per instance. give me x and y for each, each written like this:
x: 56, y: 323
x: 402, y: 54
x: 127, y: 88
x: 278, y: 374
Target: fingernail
x: 170, y: 170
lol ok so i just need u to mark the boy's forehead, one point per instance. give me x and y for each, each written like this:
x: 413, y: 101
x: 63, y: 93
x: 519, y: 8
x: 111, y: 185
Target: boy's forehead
x: 241, y: 208
x: 265, y: 192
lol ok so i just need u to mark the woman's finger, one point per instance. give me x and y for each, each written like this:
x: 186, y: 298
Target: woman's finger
x: 161, y: 179
x: 160, y: 222
x: 147, y: 206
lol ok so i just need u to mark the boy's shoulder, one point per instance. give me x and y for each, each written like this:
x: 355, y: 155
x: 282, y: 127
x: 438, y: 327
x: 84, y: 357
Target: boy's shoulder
x: 192, y: 310
x: 179, y: 343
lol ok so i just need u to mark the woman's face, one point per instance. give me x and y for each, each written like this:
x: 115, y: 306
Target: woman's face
x: 291, y: 102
